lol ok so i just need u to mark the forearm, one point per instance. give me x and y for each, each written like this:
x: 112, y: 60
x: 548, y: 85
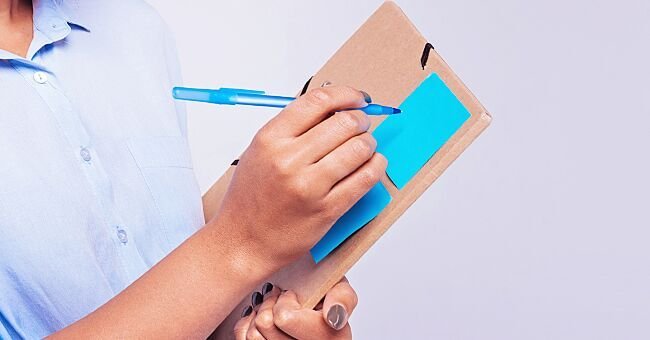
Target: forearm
x: 186, y: 295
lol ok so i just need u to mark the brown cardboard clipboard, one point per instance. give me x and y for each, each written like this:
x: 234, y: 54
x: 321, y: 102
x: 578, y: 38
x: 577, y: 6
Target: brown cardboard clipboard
x: 388, y: 58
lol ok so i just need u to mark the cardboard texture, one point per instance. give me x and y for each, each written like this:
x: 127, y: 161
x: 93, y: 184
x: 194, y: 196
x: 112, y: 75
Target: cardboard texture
x: 385, y: 58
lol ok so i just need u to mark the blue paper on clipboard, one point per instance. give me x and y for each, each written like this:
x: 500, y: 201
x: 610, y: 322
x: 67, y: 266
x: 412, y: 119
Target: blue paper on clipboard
x: 430, y: 116
x: 368, y: 207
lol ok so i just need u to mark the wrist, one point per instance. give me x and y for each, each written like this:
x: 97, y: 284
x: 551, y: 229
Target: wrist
x: 243, y: 254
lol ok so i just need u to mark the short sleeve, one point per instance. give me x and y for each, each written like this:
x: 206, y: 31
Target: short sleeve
x: 175, y: 76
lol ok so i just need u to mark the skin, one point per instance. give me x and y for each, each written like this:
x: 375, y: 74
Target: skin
x: 280, y: 317
x: 301, y: 172
x: 16, y: 26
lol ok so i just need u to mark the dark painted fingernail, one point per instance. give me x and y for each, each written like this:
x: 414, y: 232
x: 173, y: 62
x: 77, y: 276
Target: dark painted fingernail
x: 247, y: 311
x: 267, y: 288
x: 366, y: 97
x: 257, y: 299
x: 337, y: 317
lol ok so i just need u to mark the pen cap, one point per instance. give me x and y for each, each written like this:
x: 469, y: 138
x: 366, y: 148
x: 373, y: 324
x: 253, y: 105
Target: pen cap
x: 204, y: 95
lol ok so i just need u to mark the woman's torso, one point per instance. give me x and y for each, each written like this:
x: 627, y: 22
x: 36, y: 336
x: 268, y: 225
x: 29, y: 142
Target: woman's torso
x: 96, y: 177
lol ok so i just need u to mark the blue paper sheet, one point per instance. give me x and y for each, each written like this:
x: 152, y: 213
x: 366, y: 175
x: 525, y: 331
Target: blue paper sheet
x: 368, y: 207
x: 430, y: 116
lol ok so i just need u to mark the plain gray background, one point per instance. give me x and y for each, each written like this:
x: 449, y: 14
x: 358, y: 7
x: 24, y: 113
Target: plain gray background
x: 540, y: 230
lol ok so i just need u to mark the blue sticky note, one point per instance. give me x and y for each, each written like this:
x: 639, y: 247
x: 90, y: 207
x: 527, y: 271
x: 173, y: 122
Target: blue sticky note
x: 368, y: 207
x: 430, y: 116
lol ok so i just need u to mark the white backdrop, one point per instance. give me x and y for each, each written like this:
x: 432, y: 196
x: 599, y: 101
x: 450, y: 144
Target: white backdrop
x: 557, y: 242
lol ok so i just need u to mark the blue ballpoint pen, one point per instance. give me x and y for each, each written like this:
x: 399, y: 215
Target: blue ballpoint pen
x: 228, y: 96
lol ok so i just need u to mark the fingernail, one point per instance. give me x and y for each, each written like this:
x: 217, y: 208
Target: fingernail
x: 366, y: 97
x: 247, y: 311
x: 337, y: 317
x: 257, y: 299
x: 267, y: 288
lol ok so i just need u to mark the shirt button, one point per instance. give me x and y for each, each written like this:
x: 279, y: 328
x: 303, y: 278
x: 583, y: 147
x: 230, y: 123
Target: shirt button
x: 57, y: 25
x: 40, y: 77
x: 121, y: 235
x: 85, y: 154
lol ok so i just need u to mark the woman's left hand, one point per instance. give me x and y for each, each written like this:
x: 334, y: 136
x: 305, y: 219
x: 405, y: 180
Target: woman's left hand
x: 277, y: 315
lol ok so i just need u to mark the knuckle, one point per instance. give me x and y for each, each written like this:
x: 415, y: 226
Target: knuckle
x: 283, y: 318
x: 331, y: 212
x: 362, y: 147
x: 328, y: 211
x: 318, y: 97
x: 253, y: 335
x: 282, y: 167
x: 382, y: 160
x: 372, y: 140
x: 348, y: 121
x: 370, y: 177
x: 365, y: 120
x: 328, y: 217
x: 263, y: 138
x: 264, y: 320
x: 300, y: 190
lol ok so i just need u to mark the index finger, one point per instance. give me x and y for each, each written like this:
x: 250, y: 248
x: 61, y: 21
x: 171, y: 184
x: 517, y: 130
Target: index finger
x: 241, y: 327
x: 313, y: 107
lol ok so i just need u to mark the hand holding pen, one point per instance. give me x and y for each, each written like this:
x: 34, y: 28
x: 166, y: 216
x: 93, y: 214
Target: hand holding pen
x: 303, y: 170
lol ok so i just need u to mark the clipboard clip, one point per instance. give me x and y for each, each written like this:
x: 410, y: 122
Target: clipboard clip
x: 428, y: 47
x: 425, y: 54
x: 306, y: 86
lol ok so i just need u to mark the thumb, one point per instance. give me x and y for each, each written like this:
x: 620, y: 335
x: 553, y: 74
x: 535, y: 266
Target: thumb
x: 339, y: 303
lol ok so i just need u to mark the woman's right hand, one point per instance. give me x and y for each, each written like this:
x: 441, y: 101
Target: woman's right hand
x: 303, y: 170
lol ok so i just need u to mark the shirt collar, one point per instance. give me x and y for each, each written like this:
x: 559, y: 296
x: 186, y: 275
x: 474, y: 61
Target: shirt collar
x: 73, y: 13
x: 52, y: 20
x: 51, y: 16
x: 50, y: 25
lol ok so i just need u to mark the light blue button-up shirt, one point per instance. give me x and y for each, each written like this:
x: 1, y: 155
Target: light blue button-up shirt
x: 96, y: 180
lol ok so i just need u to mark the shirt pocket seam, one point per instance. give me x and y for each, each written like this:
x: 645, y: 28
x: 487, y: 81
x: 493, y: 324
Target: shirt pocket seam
x: 138, y: 148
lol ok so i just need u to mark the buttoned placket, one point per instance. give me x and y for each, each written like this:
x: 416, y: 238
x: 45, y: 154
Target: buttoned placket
x: 45, y: 83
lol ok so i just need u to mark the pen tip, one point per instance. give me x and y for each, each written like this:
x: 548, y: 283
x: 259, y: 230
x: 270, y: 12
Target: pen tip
x: 396, y: 111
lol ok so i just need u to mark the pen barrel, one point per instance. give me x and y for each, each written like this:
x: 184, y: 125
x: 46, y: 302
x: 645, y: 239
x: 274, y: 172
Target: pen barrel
x: 263, y: 100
